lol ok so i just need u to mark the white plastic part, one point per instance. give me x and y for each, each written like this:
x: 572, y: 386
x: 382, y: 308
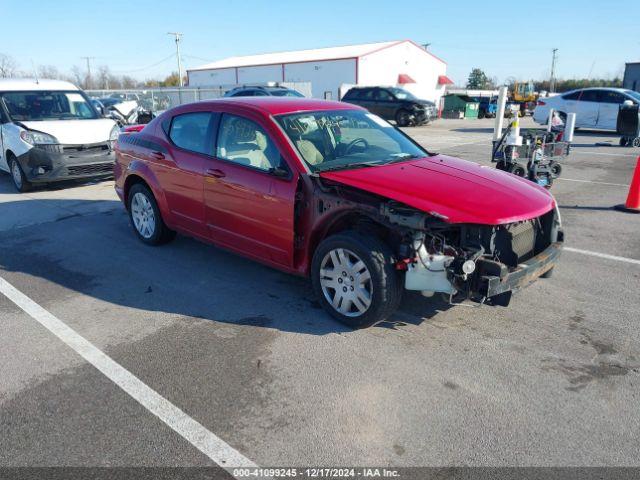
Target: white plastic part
x: 569, y: 127
x: 514, y: 137
x: 550, y: 120
x: 502, y: 101
x: 429, y: 275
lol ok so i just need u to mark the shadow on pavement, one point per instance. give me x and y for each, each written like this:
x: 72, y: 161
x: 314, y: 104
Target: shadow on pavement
x: 96, y: 254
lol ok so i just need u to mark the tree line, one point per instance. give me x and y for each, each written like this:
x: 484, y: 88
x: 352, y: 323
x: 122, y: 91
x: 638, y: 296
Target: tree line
x: 478, y: 80
x: 100, y: 79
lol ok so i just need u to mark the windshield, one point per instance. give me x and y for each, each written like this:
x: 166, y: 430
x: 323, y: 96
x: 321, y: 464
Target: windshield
x: 332, y: 140
x: 286, y: 93
x: 30, y: 106
x: 401, y: 94
x: 633, y: 94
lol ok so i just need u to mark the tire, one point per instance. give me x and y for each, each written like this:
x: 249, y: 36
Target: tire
x: 548, y: 273
x: 636, y: 142
x: 402, y: 118
x: 556, y: 169
x: 384, y: 287
x: 145, y: 216
x: 502, y: 165
x: 519, y: 170
x: 481, y: 114
x: 18, y: 177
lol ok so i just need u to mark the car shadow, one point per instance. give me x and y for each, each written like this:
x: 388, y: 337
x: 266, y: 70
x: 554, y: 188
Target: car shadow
x: 96, y: 254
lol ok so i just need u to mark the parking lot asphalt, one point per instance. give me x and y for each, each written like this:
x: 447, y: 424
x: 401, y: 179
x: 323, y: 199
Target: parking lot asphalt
x: 247, y: 352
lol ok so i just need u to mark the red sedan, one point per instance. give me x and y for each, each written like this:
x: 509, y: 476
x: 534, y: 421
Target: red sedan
x: 331, y: 191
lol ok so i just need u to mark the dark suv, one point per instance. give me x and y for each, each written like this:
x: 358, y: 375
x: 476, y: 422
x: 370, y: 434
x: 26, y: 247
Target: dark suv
x: 262, y: 91
x: 393, y: 103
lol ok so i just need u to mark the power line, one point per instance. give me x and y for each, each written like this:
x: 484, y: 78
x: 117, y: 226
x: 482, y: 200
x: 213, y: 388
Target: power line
x: 147, y: 67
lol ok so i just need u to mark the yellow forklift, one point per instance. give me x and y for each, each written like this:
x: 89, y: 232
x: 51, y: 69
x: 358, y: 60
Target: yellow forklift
x: 524, y: 95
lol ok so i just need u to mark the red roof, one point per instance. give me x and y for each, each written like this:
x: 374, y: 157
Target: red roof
x: 444, y: 80
x: 280, y: 105
x: 404, y: 78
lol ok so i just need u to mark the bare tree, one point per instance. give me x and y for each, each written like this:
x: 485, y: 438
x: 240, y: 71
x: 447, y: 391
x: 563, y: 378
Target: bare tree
x: 48, y: 71
x: 78, y: 76
x: 8, y: 66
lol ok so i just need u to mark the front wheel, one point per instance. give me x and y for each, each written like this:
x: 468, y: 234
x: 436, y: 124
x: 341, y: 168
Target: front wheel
x: 402, y: 118
x: 355, y: 279
x: 145, y: 217
x: 17, y: 175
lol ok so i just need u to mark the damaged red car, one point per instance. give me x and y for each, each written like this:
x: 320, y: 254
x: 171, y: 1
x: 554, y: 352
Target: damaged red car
x: 330, y: 191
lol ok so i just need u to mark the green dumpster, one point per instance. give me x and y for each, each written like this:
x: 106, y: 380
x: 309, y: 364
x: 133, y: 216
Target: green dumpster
x: 460, y: 106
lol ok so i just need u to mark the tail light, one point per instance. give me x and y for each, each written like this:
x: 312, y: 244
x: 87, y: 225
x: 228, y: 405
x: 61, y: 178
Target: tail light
x: 540, y: 103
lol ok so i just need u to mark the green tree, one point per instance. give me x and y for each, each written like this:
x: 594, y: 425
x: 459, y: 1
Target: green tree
x: 478, y: 80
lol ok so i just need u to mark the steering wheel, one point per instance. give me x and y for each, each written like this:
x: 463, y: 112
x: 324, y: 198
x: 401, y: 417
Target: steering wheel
x: 353, y: 143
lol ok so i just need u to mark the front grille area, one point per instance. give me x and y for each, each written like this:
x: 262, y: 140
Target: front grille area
x: 93, y: 169
x: 75, y: 151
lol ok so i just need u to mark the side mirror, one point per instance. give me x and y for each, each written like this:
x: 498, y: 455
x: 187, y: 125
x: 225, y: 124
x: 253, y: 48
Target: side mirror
x: 280, y: 171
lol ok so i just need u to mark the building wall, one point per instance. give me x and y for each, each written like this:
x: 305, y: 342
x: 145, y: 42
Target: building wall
x: 210, y: 78
x: 632, y: 77
x: 384, y: 66
x: 325, y: 76
x: 260, y: 74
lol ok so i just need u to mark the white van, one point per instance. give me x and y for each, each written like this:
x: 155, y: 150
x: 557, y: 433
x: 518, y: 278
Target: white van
x: 50, y: 131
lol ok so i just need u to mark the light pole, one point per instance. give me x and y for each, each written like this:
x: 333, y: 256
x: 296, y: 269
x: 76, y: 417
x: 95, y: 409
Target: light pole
x: 552, y: 80
x: 178, y: 37
x: 88, y: 59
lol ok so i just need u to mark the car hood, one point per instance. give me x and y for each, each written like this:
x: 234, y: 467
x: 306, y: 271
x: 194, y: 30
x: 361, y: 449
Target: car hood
x: 456, y: 190
x: 75, y: 132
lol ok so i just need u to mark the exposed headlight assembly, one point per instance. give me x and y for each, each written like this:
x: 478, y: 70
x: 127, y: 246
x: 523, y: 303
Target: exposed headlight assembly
x: 34, y: 137
x: 113, y: 136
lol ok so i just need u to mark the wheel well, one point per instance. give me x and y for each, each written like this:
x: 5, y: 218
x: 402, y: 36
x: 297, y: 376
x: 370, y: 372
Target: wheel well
x: 130, y: 182
x: 353, y: 221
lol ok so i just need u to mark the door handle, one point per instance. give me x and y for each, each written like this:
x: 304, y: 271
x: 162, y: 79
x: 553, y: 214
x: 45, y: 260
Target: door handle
x: 157, y: 155
x: 214, y: 172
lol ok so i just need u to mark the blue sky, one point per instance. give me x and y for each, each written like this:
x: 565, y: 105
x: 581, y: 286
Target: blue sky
x: 508, y: 38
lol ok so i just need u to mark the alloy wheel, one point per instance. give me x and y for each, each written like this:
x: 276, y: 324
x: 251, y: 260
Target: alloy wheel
x: 143, y: 216
x: 346, y: 282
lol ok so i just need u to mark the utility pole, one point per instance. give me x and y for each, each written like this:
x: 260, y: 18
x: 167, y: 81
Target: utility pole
x: 178, y: 36
x: 88, y: 59
x: 552, y: 80
x: 425, y: 45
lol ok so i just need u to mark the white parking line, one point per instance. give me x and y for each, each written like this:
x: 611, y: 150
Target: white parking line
x: 605, y: 154
x: 196, y: 434
x: 591, y: 181
x: 603, y: 255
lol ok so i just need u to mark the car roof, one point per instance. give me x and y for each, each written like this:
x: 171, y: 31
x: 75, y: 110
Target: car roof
x: 31, y: 84
x: 282, y: 105
x: 615, y: 89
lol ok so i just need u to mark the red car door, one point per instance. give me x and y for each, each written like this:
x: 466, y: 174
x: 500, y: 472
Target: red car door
x: 180, y: 169
x: 248, y: 208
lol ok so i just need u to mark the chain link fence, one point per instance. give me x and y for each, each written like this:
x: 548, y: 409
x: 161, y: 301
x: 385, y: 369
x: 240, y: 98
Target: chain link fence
x: 160, y: 99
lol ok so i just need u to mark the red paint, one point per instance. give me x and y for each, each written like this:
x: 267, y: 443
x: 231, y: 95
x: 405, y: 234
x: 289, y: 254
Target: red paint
x: 462, y: 191
x: 252, y: 212
x: 403, y: 78
x: 444, y: 80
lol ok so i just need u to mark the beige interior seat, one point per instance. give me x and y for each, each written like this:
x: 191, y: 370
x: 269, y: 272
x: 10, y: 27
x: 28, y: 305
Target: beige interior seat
x: 309, y: 152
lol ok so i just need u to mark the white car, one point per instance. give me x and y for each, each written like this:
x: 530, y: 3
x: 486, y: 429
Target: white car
x: 594, y: 107
x: 50, y: 131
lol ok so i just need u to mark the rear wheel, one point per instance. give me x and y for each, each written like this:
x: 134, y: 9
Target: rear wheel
x: 402, y: 118
x: 519, y: 170
x: 556, y: 169
x: 355, y: 279
x: 636, y: 142
x: 145, y: 217
x: 17, y: 175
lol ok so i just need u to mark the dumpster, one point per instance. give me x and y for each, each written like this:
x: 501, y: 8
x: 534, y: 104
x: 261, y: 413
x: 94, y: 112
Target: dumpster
x: 460, y: 106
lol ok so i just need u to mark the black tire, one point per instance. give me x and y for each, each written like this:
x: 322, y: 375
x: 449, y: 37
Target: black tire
x: 556, y: 169
x: 519, y: 170
x: 502, y: 165
x: 386, y: 281
x: 636, y: 142
x: 18, y: 177
x: 402, y: 118
x: 481, y: 114
x: 161, y: 233
x: 548, y: 273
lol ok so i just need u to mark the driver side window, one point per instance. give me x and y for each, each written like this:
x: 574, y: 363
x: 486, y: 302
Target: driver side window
x: 244, y: 142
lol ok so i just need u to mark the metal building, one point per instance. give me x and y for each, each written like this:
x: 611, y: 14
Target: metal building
x: 331, y: 71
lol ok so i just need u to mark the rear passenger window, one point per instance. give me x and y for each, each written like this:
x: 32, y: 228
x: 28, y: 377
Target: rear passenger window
x: 591, y: 96
x: 574, y: 95
x: 191, y: 132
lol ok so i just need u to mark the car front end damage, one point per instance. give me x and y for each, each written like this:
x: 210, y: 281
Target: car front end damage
x: 485, y: 263
x: 56, y: 162
x: 463, y: 261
